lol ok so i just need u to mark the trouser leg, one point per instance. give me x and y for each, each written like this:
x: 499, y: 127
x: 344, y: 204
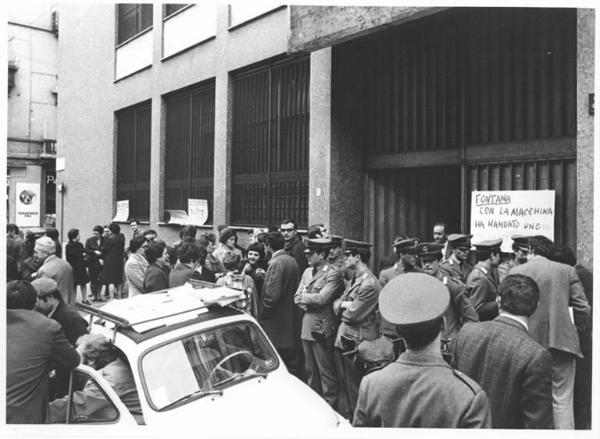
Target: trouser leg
x: 310, y: 366
x: 324, y: 357
x: 563, y: 381
x: 582, y: 398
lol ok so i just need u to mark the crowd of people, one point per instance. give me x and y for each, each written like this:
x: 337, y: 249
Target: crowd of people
x: 444, y: 337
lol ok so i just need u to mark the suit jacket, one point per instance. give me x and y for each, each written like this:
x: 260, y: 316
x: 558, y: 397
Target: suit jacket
x: 483, y: 289
x: 322, y: 289
x: 360, y: 321
x: 34, y: 342
x: 455, y: 269
x: 135, y: 269
x: 62, y: 272
x: 550, y: 325
x: 420, y: 390
x: 276, y: 310
x: 514, y: 370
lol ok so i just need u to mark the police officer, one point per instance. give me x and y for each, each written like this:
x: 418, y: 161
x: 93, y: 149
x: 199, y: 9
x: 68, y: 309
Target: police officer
x: 460, y: 309
x: 404, y: 248
x: 457, y: 266
x: 318, y: 322
x: 482, y: 283
x: 357, y: 310
x: 520, y: 249
x: 419, y: 389
x: 335, y: 256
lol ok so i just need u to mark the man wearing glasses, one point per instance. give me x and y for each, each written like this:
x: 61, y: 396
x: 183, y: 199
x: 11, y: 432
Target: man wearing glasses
x: 457, y: 266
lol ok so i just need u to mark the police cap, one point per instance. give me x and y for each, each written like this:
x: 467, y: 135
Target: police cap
x: 354, y: 247
x: 521, y: 242
x: 459, y: 240
x: 404, y: 243
x: 317, y: 244
x: 429, y: 250
x: 413, y: 299
x: 490, y: 244
x: 336, y: 240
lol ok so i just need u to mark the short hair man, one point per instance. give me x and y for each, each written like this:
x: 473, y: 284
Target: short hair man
x: 419, y: 389
x: 55, y: 268
x: 150, y: 234
x: 294, y: 245
x: 482, y: 282
x: 51, y: 304
x: 34, y: 343
x: 404, y: 247
x: 514, y: 370
x: 456, y: 265
x: 520, y: 248
x: 135, y: 227
x: 551, y: 323
x: 357, y: 310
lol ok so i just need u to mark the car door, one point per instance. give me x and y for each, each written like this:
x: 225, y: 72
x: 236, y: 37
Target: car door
x: 90, y: 401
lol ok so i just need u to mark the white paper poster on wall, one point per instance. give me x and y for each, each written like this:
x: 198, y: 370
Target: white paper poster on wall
x: 122, y: 214
x: 27, y: 204
x: 501, y: 214
x: 197, y: 211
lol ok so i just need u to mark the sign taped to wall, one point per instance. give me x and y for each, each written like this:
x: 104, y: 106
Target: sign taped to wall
x: 501, y: 214
x: 27, y: 204
x: 122, y: 214
x: 197, y: 211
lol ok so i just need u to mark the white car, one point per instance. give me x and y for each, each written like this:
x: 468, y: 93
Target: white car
x: 196, y: 360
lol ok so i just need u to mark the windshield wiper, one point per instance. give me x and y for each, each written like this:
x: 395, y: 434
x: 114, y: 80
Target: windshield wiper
x: 244, y: 374
x: 198, y: 393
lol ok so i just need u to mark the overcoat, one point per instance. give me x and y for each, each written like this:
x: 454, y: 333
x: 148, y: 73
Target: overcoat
x: 62, y: 272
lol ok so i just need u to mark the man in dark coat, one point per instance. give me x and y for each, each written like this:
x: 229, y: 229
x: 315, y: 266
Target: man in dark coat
x: 34, y: 342
x: 51, y: 304
x: 514, y: 370
x: 276, y: 310
x: 93, y: 249
x: 419, y: 389
x: 551, y: 323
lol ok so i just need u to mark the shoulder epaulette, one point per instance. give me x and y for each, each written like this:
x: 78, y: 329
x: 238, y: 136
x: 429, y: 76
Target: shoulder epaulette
x: 465, y: 379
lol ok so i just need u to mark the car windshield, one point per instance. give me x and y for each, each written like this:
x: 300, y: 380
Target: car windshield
x: 198, y: 364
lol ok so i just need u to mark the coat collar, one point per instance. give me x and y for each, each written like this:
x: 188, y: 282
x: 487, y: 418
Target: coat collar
x: 277, y: 254
x: 417, y: 358
x: 508, y: 320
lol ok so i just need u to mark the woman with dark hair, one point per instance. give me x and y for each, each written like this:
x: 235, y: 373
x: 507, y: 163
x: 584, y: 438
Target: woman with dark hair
x: 227, y: 243
x: 157, y: 274
x: 76, y: 257
x: 209, y: 240
x: 52, y: 233
x: 233, y: 278
x: 256, y: 267
x: 112, y: 259
x: 93, y: 249
x: 136, y: 265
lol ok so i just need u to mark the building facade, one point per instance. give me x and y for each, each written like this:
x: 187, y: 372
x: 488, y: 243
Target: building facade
x: 32, y: 112
x: 373, y: 120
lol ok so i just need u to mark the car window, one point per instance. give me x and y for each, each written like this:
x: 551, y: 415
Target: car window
x: 205, y: 361
x: 87, y: 403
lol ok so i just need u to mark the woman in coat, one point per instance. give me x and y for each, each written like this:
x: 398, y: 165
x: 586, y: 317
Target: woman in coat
x: 76, y: 257
x: 157, y: 274
x: 136, y: 265
x: 93, y: 249
x: 112, y: 259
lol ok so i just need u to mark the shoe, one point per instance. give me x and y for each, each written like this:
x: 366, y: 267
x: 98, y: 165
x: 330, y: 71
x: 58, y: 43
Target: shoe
x: 87, y: 302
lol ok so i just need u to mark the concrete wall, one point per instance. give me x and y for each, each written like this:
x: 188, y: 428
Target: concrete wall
x: 585, y: 136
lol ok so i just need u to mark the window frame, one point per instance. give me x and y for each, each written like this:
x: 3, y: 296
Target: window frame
x: 138, y: 23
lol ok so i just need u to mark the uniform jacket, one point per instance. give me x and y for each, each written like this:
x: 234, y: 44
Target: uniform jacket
x: 460, y: 309
x: 323, y: 288
x: 92, y: 403
x: 550, y: 325
x: 62, y: 272
x: 387, y: 274
x: 514, y: 370
x: 483, y: 289
x: 455, y: 269
x: 276, y: 310
x: 135, y: 268
x: 360, y: 321
x: 421, y: 390
x: 34, y: 342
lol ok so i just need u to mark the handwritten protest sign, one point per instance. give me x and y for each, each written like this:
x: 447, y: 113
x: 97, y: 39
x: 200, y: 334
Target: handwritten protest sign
x: 501, y: 214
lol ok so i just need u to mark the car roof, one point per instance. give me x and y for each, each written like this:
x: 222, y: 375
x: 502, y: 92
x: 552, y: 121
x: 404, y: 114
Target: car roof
x: 148, y: 315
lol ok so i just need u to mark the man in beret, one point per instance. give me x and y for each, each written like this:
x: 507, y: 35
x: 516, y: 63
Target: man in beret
x: 34, y: 344
x: 419, y: 389
x: 460, y: 309
x: 520, y: 247
x: 457, y: 265
x: 483, y: 280
x: 514, y: 370
x: 318, y: 323
x: 357, y: 311
x: 406, y: 262
x: 51, y: 304
x: 55, y: 268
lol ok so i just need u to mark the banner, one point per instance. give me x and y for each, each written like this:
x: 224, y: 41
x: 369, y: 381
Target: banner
x: 197, y: 211
x: 122, y: 215
x: 501, y: 214
x: 27, y: 204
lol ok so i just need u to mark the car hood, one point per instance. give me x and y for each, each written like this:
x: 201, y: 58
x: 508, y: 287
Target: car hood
x: 279, y: 402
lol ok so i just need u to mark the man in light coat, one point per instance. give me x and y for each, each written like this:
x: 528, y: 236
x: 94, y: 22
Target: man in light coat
x: 551, y: 324
x: 55, y: 268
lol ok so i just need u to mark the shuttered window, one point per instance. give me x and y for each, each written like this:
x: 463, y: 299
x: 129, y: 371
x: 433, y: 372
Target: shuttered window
x: 133, y: 159
x: 270, y: 144
x: 132, y: 19
x: 190, y: 145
